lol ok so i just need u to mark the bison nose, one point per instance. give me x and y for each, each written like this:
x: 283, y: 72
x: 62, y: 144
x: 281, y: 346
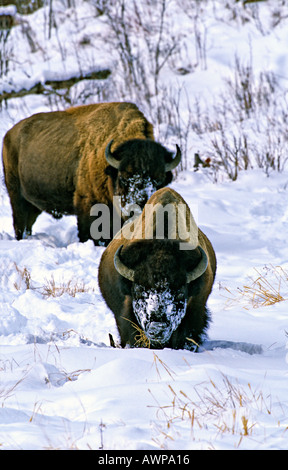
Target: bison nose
x: 142, y: 198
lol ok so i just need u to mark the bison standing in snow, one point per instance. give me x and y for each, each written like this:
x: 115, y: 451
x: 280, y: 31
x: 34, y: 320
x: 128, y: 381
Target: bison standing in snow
x: 157, y: 273
x: 65, y: 162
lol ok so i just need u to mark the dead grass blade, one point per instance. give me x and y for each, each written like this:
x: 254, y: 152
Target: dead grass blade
x: 269, y: 288
x: 141, y: 339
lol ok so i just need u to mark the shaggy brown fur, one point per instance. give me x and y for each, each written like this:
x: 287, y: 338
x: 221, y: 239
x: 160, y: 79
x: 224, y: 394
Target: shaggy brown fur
x: 55, y: 162
x: 154, y: 261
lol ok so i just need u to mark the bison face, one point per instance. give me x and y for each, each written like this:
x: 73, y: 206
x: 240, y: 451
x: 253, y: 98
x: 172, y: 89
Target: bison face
x: 138, y: 168
x: 160, y: 278
x: 135, y: 189
x: 159, y: 310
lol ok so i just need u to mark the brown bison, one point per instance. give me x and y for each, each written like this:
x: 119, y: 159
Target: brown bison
x: 65, y: 162
x: 157, y: 273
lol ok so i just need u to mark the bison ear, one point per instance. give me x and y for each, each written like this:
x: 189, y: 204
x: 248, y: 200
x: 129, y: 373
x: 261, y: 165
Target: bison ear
x: 192, y: 259
x: 168, y: 178
x: 125, y: 286
x: 195, y: 287
x: 110, y: 171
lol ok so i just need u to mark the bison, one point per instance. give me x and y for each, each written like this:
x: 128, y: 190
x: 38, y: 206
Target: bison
x: 65, y: 162
x: 159, y: 283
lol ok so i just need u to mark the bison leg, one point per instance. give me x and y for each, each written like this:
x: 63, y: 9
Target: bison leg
x: 82, y: 211
x: 83, y: 224
x: 24, y: 216
x: 101, y: 235
x: 191, y: 332
x: 129, y: 331
x: 24, y: 213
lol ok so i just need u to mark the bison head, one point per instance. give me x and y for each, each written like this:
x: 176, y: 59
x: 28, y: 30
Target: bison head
x: 138, y: 168
x: 160, y: 278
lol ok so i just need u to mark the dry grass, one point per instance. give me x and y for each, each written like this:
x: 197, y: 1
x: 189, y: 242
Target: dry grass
x: 24, y: 277
x: 223, y: 408
x: 9, y: 391
x: 141, y: 340
x: 51, y: 288
x: 72, y: 287
x: 214, y: 408
x: 268, y: 288
x: 157, y: 362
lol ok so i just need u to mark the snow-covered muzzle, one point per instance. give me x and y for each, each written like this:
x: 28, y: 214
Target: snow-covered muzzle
x: 138, y: 190
x: 159, y: 311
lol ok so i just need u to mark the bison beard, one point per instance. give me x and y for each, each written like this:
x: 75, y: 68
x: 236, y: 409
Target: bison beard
x: 159, y: 312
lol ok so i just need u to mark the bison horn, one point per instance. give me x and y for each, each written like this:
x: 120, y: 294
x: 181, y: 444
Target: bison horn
x: 109, y: 156
x: 176, y: 160
x: 121, y: 268
x: 200, y: 268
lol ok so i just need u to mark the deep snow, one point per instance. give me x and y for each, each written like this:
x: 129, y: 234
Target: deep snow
x: 62, y: 385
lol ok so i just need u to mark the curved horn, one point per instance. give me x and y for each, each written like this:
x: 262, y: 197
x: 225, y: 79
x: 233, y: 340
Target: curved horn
x: 176, y: 160
x: 109, y: 156
x: 121, y: 268
x: 200, y: 268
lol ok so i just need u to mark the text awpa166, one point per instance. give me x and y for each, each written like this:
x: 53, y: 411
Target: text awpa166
x: 148, y: 459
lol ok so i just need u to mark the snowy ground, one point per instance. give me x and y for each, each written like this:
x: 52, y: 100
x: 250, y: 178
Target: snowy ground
x: 63, y: 387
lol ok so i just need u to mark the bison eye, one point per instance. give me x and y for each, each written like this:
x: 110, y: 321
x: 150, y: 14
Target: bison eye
x: 181, y: 296
x: 158, y: 184
x: 125, y: 287
x: 123, y: 182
